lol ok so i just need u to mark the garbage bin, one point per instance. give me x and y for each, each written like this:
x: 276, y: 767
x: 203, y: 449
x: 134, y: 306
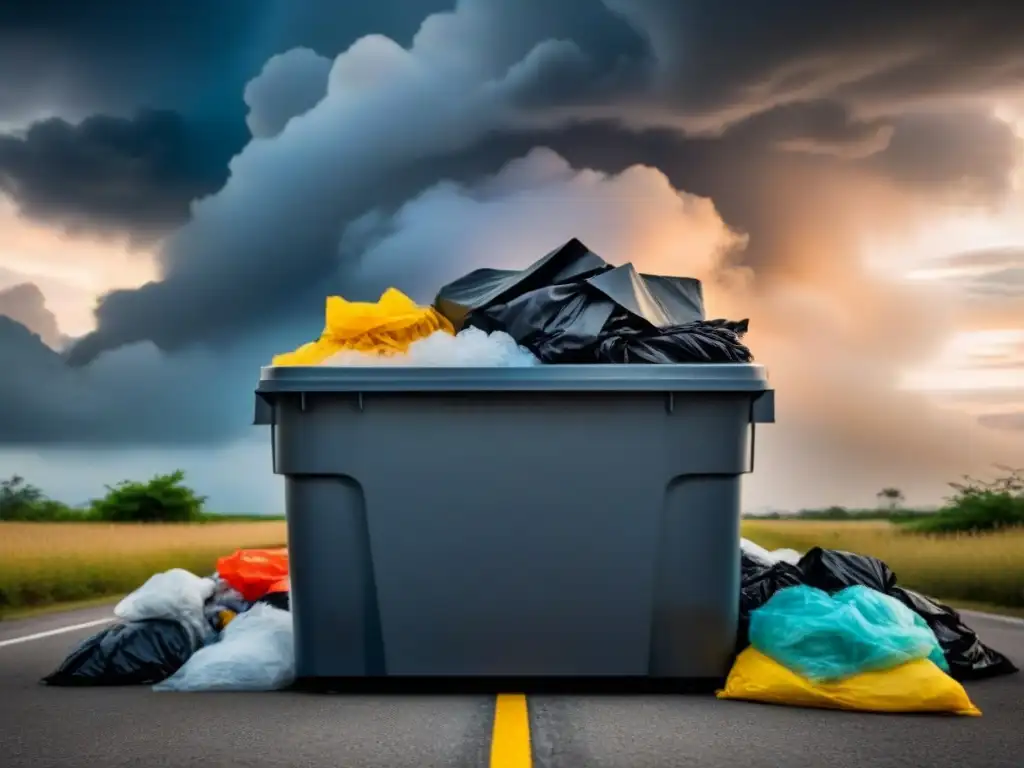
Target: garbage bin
x: 551, y: 521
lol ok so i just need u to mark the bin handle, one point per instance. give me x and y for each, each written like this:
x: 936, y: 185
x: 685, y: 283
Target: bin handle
x: 753, y: 443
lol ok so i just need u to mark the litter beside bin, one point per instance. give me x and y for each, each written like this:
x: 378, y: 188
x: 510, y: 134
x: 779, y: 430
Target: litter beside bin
x: 569, y: 520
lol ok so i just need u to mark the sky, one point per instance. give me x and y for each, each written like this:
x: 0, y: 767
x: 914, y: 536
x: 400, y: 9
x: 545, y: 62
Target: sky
x: 182, y: 184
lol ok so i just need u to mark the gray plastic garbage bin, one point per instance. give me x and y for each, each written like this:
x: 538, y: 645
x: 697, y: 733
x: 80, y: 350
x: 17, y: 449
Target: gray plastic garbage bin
x: 573, y: 520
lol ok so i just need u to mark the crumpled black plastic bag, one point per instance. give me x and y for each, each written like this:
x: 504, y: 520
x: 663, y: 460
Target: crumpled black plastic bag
x: 758, y: 583
x: 280, y: 600
x: 833, y: 569
x: 704, y: 341
x: 968, y: 658
x: 486, y: 287
x: 130, y: 653
x: 573, y: 307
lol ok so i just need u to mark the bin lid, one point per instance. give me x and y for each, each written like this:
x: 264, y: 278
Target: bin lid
x: 694, y: 377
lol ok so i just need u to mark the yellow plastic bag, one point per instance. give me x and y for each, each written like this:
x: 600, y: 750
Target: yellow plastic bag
x: 386, y: 327
x: 917, y: 686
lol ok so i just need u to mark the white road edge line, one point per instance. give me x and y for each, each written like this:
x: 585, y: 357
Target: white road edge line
x: 52, y: 632
x: 1011, y: 620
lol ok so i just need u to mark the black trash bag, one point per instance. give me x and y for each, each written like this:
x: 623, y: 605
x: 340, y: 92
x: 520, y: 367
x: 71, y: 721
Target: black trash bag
x: 832, y: 570
x: 485, y: 287
x: 967, y: 656
x: 758, y: 583
x: 280, y: 600
x: 702, y: 341
x: 130, y: 653
x: 573, y: 307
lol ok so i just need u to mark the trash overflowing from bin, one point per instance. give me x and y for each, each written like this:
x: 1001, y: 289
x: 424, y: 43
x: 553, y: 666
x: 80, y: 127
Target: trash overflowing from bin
x: 470, y: 347
x: 822, y: 629
x: 570, y: 306
x: 387, y: 327
x: 830, y: 631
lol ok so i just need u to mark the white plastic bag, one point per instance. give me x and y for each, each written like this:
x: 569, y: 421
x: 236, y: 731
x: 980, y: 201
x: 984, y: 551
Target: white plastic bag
x: 761, y: 554
x: 472, y: 348
x: 174, y: 594
x: 256, y: 652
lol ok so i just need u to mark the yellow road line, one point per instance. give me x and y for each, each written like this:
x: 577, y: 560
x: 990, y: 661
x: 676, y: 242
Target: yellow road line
x: 510, y: 742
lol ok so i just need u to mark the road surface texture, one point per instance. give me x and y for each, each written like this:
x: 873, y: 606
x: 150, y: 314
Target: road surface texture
x: 80, y: 728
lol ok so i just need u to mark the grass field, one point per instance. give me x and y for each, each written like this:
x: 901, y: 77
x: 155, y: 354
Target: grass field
x: 46, y: 563
x: 43, y: 564
x: 986, y: 569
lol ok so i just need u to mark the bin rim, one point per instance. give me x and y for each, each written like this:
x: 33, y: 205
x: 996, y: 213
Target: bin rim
x: 693, y: 377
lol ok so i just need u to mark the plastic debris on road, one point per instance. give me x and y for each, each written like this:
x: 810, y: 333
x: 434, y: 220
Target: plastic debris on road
x: 968, y: 657
x: 470, y: 348
x: 129, y: 653
x: 247, y: 641
x: 826, y: 638
x: 917, y: 686
x: 256, y: 652
x: 759, y: 581
x: 769, y: 557
x: 252, y: 572
x: 174, y: 594
x: 388, y: 326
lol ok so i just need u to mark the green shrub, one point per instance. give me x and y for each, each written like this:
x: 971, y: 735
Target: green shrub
x: 22, y: 502
x: 979, y: 506
x: 164, y: 499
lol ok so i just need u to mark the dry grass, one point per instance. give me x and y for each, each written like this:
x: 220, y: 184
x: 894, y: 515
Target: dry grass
x: 46, y: 563
x: 985, y: 568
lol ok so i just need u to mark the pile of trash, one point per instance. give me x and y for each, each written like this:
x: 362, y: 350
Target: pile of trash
x: 231, y: 631
x: 825, y: 629
x: 569, y: 307
x: 832, y: 629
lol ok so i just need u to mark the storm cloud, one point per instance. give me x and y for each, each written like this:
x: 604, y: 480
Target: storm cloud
x: 804, y: 128
x: 136, y: 176
x: 25, y: 304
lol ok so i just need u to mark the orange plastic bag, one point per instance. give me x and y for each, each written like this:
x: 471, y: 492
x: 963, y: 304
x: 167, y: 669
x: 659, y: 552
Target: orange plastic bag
x: 281, y: 585
x: 254, y: 571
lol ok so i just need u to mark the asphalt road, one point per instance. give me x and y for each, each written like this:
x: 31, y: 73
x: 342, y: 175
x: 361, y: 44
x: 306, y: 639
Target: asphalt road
x: 80, y: 728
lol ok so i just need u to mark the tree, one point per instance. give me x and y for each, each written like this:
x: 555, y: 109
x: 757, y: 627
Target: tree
x: 18, y: 498
x: 162, y: 499
x: 891, y: 497
x: 980, y: 505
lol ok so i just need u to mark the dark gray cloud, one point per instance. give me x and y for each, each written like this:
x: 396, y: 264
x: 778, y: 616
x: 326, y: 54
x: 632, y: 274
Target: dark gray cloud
x: 72, y: 58
x: 135, y: 395
x: 113, y: 174
x: 969, y: 154
x: 723, y: 63
x: 25, y: 304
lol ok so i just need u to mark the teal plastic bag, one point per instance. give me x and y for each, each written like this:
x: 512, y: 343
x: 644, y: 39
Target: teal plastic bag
x: 827, y: 638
